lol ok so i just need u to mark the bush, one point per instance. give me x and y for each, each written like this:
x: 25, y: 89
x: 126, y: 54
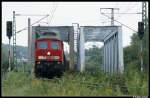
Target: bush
x: 136, y: 81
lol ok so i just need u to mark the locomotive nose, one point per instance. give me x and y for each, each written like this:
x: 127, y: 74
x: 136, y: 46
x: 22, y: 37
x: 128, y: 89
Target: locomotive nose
x: 48, y: 53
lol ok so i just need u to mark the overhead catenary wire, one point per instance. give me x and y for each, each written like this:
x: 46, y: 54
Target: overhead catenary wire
x: 39, y: 19
x: 33, y: 23
x: 120, y: 23
x: 96, y: 20
x: 127, y: 10
x: 126, y: 13
x: 48, y: 18
x: 52, y: 13
x: 29, y: 15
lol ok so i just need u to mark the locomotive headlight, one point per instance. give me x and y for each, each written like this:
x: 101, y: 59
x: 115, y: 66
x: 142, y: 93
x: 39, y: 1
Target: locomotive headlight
x: 41, y: 57
x: 48, y: 53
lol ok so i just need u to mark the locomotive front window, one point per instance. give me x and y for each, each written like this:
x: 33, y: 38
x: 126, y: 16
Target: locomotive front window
x: 42, y: 45
x: 54, y: 45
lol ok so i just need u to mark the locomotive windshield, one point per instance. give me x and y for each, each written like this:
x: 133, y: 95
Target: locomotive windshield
x: 42, y: 45
x: 54, y: 45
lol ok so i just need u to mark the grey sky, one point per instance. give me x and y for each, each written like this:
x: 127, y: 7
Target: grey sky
x: 84, y: 13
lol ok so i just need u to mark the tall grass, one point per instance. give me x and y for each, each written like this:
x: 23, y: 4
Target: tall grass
x: 136, y: 81
x: 73, y: 84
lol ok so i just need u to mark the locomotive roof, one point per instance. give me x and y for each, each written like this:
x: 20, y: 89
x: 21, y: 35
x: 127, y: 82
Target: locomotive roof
x: 52, y: 38
x: 49, y: 35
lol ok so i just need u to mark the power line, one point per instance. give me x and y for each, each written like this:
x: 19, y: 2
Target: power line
x: 120, y: 23
x: 126, y: 10
x: 96, y: 20
x: 112, y: 14
x: 29, y: 15
x: 40, y: 20
x: 52, y: 13
x: 126, y: 13
x: 129, y: 8
x: 33, y: 23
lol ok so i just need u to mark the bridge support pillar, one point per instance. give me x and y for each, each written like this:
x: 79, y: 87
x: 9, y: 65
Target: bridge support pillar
x: 81, y: 51
x: 71, y: 54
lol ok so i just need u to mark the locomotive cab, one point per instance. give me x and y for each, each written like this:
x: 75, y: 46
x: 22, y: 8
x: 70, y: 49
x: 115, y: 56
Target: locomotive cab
x: 49, y: 57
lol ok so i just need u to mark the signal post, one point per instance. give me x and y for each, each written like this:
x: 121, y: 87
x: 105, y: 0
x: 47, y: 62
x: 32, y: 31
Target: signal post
x: 9, y: 35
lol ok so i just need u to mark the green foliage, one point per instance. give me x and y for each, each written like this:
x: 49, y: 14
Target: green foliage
x: 92, y: 82
x: 93, y: 58
x: 136, y: 81
x: 132, y: 52
x: 14, y: 82
x: 5, y: 58
x: 21, y: 50
x: 73, y: 84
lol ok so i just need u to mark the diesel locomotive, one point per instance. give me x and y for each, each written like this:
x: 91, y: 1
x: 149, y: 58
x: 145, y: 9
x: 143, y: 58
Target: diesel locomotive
x: 49, y: 55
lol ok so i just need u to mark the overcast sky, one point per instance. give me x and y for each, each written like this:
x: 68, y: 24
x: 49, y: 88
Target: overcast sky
x: 66, y: 13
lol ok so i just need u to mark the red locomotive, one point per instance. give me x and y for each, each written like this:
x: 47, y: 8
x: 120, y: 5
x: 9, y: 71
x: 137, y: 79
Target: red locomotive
x: 49, y: 55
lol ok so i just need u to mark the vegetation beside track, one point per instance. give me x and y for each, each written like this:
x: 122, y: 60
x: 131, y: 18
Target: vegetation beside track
x: 74, y: 84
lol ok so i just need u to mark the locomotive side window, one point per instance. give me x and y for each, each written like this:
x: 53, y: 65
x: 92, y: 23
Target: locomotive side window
x: 54, y: 45
x: 42, y: 45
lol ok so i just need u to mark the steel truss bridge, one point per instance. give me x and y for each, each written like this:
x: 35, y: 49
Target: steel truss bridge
x: 77, y: 35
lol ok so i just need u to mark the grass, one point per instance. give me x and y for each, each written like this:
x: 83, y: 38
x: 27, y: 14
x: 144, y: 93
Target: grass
x: 136, y: 81
x: 71, y: 84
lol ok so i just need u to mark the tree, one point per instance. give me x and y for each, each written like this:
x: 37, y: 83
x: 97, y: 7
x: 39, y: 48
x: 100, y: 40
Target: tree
x: 132, y: 52
x: 93, y: 58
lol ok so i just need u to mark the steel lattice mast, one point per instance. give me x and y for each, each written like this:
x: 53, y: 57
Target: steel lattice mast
x: 146, y: 25
x: 14, y: 40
